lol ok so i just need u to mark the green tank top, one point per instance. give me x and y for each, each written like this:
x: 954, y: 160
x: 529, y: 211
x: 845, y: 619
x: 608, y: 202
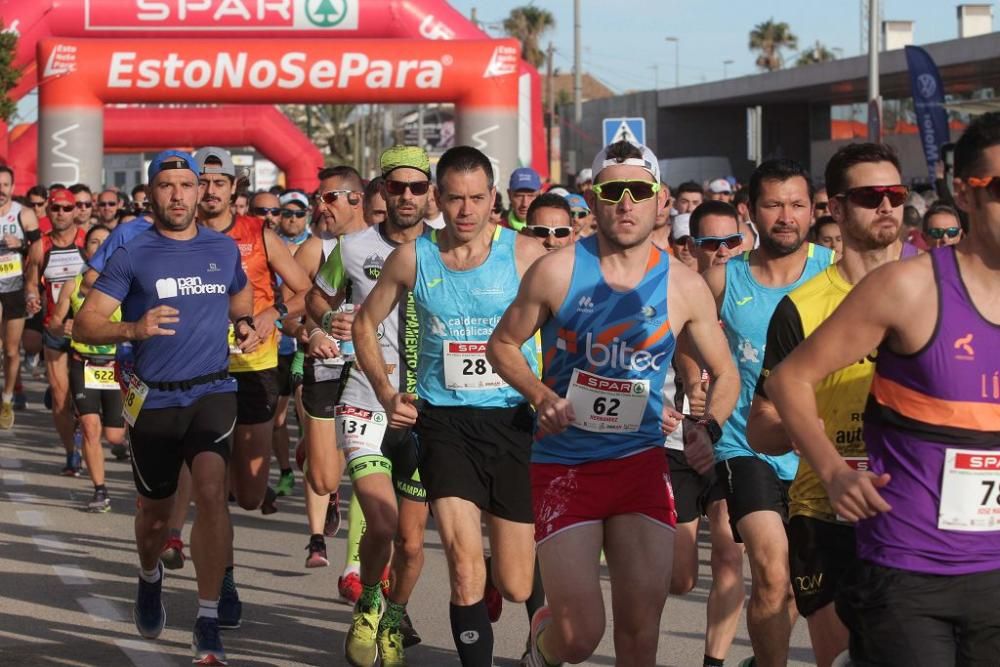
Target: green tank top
x: 75, y: 302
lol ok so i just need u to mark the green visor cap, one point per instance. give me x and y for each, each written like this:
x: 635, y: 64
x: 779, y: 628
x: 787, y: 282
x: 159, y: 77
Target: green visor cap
x: 405, y: 156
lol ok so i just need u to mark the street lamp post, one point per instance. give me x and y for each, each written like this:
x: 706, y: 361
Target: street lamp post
x: 677, y: 60
x: 725, y: 68
x: 656, y: 76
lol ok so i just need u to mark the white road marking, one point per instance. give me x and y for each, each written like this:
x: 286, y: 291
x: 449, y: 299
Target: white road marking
x: 13, y: 478
x: 51, y: 543
x: 10, y: 463
x: 101, y: 610
x: 143, y: 654
x: 32, y: 518
x: 71, y: 575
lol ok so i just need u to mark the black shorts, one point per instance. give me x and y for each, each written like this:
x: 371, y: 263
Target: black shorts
x: 256, y: 396
x: 400, y: 447
x: 285, y: 374
x: 53, y: 343
x: 104, y: 402
x: 897, y: 617
x: 320, y: 398
x: 751, y: 485
x: 478, y: 454
x: 693, y: 492
x: 13, y: 305
x: 820, y: 555
x: 35, y: 322
x: 165, y: 438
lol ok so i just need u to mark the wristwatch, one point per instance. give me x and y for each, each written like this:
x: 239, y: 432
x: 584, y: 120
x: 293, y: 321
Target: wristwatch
x: 246, y: 318
x: 282, y: 310
x: 712, y: 427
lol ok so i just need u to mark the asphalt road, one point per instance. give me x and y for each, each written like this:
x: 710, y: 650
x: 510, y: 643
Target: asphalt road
x: 67, y: 580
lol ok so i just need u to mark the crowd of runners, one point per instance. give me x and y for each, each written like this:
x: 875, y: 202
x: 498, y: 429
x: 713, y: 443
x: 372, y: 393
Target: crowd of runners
x: 588, y: 373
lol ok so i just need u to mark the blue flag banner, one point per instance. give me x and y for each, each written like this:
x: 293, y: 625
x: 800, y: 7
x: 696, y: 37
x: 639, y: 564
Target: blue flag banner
x: 928, y: 102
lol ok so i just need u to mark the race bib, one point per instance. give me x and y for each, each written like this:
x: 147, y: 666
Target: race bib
x: 465, y: 367
x: 358, y: 428
x: 603, y: 404
x: 970, y: 491
x: 136, y: 396
x: 99, y: 377
x: 10, y: 265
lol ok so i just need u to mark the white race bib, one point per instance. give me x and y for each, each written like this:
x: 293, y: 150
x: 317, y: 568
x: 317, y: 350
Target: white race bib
x: 99, y: 377
x: 358, y: 428
x: 134, y: 399
x: 970, y: 491
x: 10, y: 265
x: 603, y: 404
x: 465, y: 367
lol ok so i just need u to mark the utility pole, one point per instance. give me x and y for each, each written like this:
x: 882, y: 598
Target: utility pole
x: 874, y: 98
x: 656, y: 76
x: 677, y: 60
x: 725, y: 68
x: 577, y: 73
x: 550, y: 90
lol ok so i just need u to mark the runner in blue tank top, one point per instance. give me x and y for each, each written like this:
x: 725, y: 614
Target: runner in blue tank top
x: 474, y: 430
x: 747, y: 290
x: 928, y: 534
x: 609, y: 309
x: 178, y: 286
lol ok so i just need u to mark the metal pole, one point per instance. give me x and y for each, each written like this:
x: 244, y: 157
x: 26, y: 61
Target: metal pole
x: 577, y: 70
x: 550, y: 90
x: 725, y: 68
x: 874, y: 101
x: 656, y: 76
x: 420, y: 125
x: 677, y: 60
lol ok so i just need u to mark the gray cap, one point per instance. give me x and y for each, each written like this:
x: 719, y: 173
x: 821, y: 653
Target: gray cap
x: 681, y: 226
x: 226, y: 167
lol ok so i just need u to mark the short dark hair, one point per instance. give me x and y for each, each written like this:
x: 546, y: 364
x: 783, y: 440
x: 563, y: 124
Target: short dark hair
x: 781, y: 170
x: 689, y: 186
x: 820, y: 222
x: 345, y: 172
x: 938, y: 209
x: 741, y: 196
x: 373, y: 188
x: 549, y: 200
x: 850, y: 155
x: 38, y: 191
x: 982, y: 133
x: 95, y: 228
x: 137, y: 189
x: 712, y: 207
x: 77, y: 188
x: 621, y: 151
x: 464, y: 158
x: 5, y: 169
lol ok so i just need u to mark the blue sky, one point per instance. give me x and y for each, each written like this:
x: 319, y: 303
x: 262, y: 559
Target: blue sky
x: 624, y: 39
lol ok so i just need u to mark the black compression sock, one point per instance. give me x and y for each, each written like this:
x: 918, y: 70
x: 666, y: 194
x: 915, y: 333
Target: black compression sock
x: 473, y: 634
x: 713, y: 662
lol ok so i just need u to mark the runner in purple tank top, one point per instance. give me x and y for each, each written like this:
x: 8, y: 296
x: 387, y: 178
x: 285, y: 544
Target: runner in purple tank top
x: 928, y: 507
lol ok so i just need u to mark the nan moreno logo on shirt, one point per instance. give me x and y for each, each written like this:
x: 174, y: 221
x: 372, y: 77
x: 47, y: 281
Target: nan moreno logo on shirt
x: 167, y: 288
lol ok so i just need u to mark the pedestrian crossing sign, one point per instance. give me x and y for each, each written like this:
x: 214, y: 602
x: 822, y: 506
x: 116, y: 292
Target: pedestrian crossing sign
x: 627, y: 129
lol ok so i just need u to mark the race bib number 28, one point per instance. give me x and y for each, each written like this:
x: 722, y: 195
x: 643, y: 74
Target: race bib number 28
x: 603, y: 404
x: 970, y: 491
x: 465, y: 367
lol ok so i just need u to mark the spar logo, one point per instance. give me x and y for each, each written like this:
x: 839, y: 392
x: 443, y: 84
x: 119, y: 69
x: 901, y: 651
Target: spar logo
x: 250, y: 15
x: 292, y: 71
x: 62, y: 60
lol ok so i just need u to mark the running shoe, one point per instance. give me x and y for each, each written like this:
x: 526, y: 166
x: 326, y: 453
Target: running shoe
x: 539, y: 621
x: 230, y: 610
x: 390, y: 648
x: 20, y: 400
x: 72, y: 467
x: 268, y: 506
x: 172, y: 555
x: 410, y: 635
x: 6, y: 416
x: 100, y: 502
x: 285, y: 484
x: 207, y: 643
x: 148, y: 612
x: 748, y: 662
x: 360, y: 646
x: 493, y: 600
x: 317, y: 553
x: 349, y: 587
x: 332, y: 524
x: 120, y: 452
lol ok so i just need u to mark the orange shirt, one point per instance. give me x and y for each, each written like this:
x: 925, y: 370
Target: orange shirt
x: 248, y: 233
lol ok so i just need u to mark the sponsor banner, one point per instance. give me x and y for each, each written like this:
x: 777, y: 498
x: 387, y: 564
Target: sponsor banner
x: 194, y: 15
x: 928, y: 101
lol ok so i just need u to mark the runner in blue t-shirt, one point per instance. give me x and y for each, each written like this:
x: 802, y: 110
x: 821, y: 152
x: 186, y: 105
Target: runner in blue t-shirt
x: 178, y: 285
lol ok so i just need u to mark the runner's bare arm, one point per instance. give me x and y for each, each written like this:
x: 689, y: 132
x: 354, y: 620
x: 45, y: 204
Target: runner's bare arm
x: 398, y: 275
x: 310, y: 255
x: 32, y: 269
x: 93, y: 325
x: 241, y: 305
x: 526, y: 251
x: 29, y: 221
x: 58, y: 317
x: 765, y: 431
x: 870, y: 312
x: 689, y: 368
x: 295, y: 283
x: 319, y: 302
x: 716, y: 279
x: 90, y: 277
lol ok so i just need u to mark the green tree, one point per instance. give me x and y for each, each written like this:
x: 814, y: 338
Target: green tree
x: 768, y: 39
x: 326, y: 12
x: 818, y: 53
x: 527, y: 24
x: 9, y: 75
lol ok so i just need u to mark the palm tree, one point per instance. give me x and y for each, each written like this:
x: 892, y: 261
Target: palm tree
x: 818, y: 53
x: 769, y: 38
x: 528, y: 24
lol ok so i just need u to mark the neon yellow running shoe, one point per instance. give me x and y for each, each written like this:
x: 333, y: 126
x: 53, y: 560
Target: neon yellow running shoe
x: 390, y: 648
x: 360, y: 647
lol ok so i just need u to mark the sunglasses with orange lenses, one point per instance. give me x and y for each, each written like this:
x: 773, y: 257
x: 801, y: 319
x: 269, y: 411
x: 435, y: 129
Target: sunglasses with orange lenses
x: 990, y: 183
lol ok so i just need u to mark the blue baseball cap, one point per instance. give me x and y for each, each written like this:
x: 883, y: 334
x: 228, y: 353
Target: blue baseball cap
x: 170, y: 159
x: 525, y: 178
x: 577, y: 201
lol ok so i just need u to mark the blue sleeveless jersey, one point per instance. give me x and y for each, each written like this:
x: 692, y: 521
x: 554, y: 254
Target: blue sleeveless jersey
x: 619, y: 336
x: 746, y: 312
x: 457, y: 311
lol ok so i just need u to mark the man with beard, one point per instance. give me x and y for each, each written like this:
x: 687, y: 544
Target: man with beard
x: 866, y: 200
x: 178, y: 287
x: 381, y: 460
x: 746, y: 291
x: 266, y: 206
x: 108, y: 206
x: 474, y: 428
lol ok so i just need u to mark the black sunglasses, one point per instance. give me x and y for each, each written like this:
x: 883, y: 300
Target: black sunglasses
x: 330, y: 196
x: 543, y: 232
x: 871, y: 196
x: 580, y: 215
x: 713, y: 243
x: 65, y: 209
x: 396, y: 188
x: 289, y: 212
x: 107, y: 204
x: 85, y: 204
x: 262, y: 211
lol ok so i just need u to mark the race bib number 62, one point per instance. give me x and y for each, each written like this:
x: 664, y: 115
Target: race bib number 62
x: 603, y: 404
x: 970, y: 491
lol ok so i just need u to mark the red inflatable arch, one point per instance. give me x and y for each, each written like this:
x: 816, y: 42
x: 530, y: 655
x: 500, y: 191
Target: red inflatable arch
x: 154, y: 128
x: 287, y: 20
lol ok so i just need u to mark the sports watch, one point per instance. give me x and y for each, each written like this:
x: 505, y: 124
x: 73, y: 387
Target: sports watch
x: 712, y: 427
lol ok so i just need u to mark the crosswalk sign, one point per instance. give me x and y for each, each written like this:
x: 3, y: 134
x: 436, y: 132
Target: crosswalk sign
x: 627, y: 129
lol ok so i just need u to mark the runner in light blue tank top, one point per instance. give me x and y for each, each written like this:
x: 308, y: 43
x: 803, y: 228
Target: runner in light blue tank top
x: 454, y: 372
x: 746, y: 311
